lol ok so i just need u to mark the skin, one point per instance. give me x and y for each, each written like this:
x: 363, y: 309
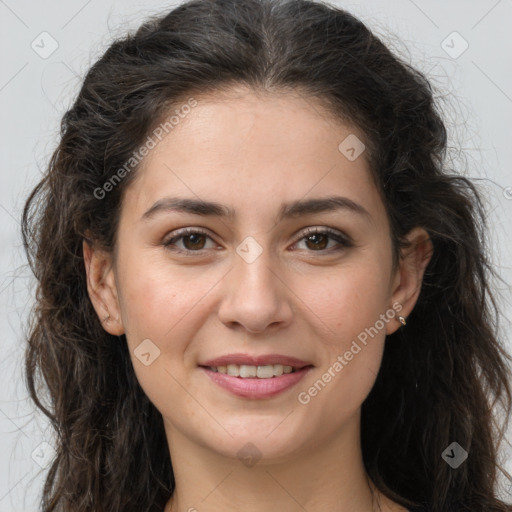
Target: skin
x: 253, y: 152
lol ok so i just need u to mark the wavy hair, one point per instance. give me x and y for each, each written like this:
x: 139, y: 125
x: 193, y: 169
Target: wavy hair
x: 442, y: 377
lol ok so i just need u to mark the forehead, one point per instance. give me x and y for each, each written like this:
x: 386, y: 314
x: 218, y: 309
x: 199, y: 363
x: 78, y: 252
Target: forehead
x: 252, y: 150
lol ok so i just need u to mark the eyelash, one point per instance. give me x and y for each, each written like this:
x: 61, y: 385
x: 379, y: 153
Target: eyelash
x: 342, y: 240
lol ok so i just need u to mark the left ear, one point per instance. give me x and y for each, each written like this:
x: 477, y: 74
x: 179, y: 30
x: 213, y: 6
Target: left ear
x: 409, y: 276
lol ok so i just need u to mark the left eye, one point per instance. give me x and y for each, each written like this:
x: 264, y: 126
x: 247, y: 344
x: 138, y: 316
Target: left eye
x: 317, y: 239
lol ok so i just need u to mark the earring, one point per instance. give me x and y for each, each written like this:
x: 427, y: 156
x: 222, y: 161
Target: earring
x: 401, y: 319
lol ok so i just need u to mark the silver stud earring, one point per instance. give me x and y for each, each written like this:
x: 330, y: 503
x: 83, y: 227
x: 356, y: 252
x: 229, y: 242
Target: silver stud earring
x: 401, y: 319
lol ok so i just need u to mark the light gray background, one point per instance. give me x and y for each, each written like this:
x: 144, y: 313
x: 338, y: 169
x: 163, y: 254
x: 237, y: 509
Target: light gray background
x: 476, y: 87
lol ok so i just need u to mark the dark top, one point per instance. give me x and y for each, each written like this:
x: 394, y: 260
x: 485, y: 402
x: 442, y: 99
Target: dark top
x: 425, y: 507
x: 421, y: 508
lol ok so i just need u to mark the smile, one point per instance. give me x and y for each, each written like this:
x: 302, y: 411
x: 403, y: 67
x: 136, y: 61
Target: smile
x: 247, y: 371
x: 248, y: 383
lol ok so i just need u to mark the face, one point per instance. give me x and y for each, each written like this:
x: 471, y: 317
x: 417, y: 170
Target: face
x: 297, y: 271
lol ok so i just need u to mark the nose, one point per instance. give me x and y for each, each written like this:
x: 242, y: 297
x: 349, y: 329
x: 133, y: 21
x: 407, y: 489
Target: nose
x: 256, y: 296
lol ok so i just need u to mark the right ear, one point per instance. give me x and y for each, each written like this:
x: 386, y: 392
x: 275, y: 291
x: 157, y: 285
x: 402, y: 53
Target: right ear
x: 102, y: 289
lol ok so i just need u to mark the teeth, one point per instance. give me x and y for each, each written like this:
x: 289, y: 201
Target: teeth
x: 233, y: 370
x: 246, y: 371
x: 265, y: 372
x: 278, y: 370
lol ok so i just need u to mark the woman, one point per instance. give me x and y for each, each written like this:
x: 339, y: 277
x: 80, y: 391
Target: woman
x: 260, y: 286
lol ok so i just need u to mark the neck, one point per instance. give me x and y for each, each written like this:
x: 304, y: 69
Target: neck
x: 318, y: 477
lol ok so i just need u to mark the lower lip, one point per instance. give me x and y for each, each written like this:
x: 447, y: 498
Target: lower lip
x: 257, y: 388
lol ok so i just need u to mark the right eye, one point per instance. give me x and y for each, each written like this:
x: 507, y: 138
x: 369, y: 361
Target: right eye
x: 192, y: 239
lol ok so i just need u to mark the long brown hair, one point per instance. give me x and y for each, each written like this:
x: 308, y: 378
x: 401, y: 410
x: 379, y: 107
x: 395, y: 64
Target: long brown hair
x: 442, y: 377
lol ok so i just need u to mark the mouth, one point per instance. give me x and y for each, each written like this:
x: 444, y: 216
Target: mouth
x: 256, y: 377
x: 244, y: 371
x: 248, y: 366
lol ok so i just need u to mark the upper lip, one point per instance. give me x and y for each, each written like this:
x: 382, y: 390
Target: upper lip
x: 246, y: 359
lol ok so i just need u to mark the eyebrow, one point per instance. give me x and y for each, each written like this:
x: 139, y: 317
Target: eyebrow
x: 287, y: 210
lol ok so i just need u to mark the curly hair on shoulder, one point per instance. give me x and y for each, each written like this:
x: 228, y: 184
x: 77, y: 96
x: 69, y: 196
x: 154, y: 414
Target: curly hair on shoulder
x: 442, y: 378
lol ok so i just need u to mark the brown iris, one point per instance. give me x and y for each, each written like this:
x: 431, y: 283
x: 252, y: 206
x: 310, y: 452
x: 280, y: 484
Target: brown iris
x: 195, y: 244
x: 317, y: 245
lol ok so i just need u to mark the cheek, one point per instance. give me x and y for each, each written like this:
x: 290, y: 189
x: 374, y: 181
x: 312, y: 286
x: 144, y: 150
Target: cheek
x: 145, y: 301
x: 349, y: 299
x: 163, y: 303
x: 149, y: 295
x: 158, y: 310
x: 349, y: 304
